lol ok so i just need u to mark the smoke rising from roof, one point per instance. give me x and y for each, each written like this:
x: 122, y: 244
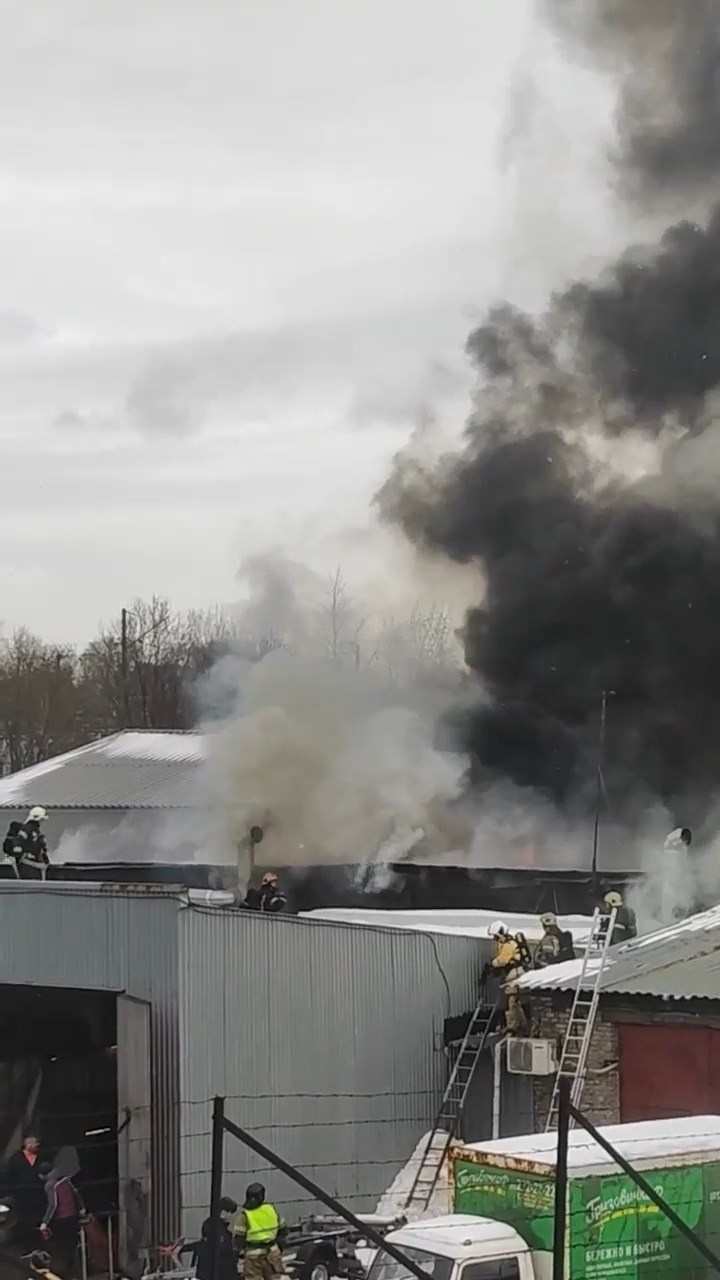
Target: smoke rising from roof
x: 590, y: 579
x: 329, y: 766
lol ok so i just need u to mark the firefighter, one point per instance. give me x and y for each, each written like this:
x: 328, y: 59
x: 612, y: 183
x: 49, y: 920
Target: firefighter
x: 511, y: 960
x: 555, y: 945
x: 268, y: 897
x: 258, y: 1231
x: 625, y: 926
x: 25, y: 843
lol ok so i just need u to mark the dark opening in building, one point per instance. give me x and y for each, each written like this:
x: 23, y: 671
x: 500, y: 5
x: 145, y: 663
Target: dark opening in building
x: 59, y: 1081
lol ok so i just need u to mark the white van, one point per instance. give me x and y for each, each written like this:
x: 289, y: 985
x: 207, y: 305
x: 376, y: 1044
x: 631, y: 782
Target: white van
x: 460, y: 1247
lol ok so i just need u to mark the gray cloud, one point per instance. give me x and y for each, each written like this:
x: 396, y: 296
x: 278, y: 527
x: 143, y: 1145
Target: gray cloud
x: 17, y: 329
x: 244, y: 257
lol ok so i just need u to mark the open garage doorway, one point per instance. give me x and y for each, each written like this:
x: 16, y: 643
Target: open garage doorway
x: 75, y: 1072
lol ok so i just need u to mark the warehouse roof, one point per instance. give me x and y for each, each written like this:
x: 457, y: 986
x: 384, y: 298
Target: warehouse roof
x: 467, y: 924
x: 680, y: 962
x: 134, y: 769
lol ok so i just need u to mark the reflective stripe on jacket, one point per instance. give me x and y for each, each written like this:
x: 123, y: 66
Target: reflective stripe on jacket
x: 262, y: 1225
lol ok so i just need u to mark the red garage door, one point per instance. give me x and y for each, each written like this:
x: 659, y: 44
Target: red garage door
x: 668, y: 1071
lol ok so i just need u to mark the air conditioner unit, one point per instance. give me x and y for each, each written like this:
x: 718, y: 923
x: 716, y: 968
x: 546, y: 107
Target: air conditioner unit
x: 531, y: 1057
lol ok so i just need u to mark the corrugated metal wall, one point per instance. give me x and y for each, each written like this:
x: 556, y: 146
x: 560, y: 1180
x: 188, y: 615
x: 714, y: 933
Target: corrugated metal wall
x: 325, y: 1040
x: 111, y: 940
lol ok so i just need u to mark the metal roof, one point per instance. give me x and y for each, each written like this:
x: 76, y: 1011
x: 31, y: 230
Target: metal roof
x: 681, y: 962
x: 657, y: 1142
x: 466, y: 924
x: 134, y: 769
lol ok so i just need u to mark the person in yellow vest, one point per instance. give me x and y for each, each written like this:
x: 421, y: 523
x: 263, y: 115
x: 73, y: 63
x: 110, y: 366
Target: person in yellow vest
x: 257, y: 1232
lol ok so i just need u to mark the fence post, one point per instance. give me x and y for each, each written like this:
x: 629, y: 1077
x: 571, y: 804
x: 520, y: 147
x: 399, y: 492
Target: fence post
x: 561, y: 1180
x: 364, y: 1228
x: 216, y: 1176
x: 648, y: 1190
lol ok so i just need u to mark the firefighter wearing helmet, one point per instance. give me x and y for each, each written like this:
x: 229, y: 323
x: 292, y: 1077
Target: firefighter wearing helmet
x: 511, y: 960
x: 555, y: 945
x: 26, y: 845
x: 625, y: 926
x: 269, y: 897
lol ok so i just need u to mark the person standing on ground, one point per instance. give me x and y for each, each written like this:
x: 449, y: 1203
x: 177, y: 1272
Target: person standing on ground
x: 63, y: 1216
x: 220, y: 1227
x: 26, y: 1188
x: 258, y: 1231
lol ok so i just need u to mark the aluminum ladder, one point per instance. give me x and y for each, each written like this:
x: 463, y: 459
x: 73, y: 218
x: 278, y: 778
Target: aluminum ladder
x: 581, y: 1024
x: 447, y: 1120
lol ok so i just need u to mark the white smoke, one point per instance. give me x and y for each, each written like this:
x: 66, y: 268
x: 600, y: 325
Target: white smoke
x: 328, y: 762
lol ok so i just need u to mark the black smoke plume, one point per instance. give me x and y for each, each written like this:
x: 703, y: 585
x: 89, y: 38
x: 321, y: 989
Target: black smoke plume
x: 587, y: 581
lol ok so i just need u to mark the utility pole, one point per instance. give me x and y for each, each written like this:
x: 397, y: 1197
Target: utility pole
x: 561, y: 1181
x: 600, y: 790
x: 124, y: 665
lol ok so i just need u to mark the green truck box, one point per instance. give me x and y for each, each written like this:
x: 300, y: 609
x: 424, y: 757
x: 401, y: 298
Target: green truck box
x: 614, y: 1231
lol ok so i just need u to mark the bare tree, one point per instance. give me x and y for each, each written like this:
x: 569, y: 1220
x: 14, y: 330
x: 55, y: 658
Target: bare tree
x: 418, y: 649
x: 41, y: 704
x: 142, y: 668
x: 339, y: 624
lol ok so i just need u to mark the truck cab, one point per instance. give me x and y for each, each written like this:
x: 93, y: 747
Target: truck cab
x: 458, y: 1247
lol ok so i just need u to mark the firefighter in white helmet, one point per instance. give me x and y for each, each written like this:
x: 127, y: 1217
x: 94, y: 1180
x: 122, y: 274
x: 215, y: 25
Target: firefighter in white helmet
x: 25, y: 843
x: 625, y: 926
x: 512, y: 958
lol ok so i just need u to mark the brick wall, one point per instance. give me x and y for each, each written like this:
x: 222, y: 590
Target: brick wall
x: 601, y: 1095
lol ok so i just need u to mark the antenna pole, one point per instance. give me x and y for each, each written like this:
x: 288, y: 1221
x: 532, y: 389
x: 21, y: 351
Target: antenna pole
x: 600, y: 790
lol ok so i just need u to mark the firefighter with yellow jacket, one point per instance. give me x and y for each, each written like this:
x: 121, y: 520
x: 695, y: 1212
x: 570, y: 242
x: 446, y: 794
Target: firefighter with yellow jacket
x: 511, y: 960
x: 257, y: 1232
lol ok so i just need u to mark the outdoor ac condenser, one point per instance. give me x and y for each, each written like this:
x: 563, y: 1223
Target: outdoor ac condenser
x: 531, y: 1057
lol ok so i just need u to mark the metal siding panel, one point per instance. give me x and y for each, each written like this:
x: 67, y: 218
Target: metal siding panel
x: 324, y: 1038
x: 118, y: 941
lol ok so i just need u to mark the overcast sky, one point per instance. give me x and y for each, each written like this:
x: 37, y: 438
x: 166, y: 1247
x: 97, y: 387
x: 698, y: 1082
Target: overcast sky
x: 241, y: 244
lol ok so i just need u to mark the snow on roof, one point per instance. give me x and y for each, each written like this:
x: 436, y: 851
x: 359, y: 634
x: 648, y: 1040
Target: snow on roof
x: 680, y: 962
x: 652, y: 1142
x: 468, y: 924
x: 134, y: 769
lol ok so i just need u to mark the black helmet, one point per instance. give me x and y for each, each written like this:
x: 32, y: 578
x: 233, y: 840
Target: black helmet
x: 254, y: 1195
